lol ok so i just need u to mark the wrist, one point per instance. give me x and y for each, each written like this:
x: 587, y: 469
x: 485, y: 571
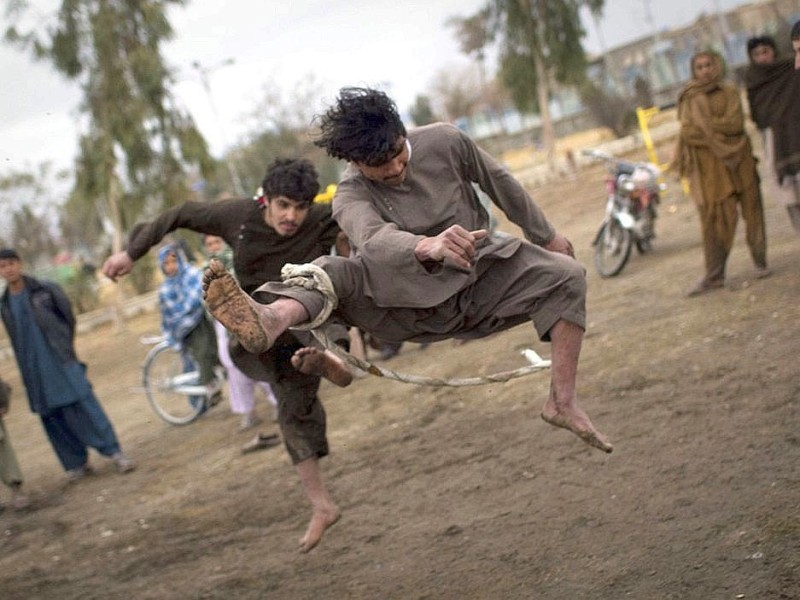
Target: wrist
x: 422, y: 251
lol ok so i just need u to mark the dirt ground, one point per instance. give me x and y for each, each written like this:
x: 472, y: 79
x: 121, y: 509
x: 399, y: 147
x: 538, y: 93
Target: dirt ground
x: 465, y: 493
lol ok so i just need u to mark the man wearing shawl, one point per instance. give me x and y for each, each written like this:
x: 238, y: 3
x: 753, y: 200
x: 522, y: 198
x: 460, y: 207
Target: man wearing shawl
x: 714, y: 153
x: 773, y: 92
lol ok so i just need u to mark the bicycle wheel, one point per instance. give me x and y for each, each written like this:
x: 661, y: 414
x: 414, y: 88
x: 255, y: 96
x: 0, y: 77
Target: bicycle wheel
x: 172, y: 385
x: 613, y: 249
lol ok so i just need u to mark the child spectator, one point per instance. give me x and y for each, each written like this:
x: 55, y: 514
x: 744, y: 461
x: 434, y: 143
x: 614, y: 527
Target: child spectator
x: 183, y: 316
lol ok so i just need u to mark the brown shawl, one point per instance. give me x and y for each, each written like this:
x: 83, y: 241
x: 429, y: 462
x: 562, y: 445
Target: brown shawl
x: 713, y: 146
x: 773, y: 92
x: 722, y: 134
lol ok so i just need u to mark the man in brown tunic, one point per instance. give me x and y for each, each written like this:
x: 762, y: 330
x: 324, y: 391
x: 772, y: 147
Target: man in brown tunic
x: 424, y: 267
x: 283, y: 226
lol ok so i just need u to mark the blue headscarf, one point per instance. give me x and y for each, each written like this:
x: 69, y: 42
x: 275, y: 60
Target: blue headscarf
x: 180, y: 297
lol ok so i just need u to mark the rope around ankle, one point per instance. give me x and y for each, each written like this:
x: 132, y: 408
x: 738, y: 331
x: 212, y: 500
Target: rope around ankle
x: 312, y: 277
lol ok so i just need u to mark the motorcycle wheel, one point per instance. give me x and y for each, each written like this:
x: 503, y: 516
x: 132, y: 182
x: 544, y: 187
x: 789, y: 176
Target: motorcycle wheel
x: 613, y: 249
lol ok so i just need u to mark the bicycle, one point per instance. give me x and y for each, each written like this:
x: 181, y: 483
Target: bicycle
x: 172, y: 383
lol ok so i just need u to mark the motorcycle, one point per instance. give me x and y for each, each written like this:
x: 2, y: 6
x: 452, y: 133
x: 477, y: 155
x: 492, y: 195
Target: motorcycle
x: 633, y: 193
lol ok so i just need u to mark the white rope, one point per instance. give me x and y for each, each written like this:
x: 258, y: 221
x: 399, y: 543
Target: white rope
x: 312, y: 277
x: 536, y: 364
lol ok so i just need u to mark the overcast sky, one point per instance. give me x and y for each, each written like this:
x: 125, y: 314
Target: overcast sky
x: 400, y: 45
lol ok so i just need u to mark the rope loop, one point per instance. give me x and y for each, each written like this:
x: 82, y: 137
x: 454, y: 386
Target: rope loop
x: 312, y: 277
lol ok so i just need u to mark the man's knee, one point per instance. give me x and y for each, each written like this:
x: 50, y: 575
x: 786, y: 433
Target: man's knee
x: 572, y: 277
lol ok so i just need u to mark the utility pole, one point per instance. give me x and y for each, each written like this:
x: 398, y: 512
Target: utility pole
x: 662, y: 71
x: 204, y: 73
x: 724, y: 31
x: 651, y: 22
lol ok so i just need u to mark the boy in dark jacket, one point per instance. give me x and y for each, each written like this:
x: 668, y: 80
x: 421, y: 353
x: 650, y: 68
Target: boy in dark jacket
x: 39, y: 321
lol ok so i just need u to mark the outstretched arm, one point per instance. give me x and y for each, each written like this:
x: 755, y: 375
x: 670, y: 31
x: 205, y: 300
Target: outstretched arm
x: 197, y: 216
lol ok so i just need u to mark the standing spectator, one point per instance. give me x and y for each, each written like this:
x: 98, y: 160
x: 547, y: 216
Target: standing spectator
x: 714, y: 152
x: 183, y: 316
x: 40, y: 323
x: 241, y: 388
x: 10, y: 473
x: 773, y: 92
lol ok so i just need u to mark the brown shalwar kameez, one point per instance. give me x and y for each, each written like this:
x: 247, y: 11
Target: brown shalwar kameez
x: 714, y: 152
x: 259, y: 253
x: 386, y: 291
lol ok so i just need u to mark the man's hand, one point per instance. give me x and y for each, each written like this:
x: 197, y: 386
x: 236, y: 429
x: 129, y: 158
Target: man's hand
x: 455, y: 245
x: 117, y: 265
x: 560, y: 244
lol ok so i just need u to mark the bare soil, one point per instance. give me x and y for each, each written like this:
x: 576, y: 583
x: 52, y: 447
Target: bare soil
x: 465, y: 493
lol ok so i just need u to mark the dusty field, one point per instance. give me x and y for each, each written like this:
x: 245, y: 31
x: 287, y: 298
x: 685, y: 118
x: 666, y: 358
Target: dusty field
x: 465, y: 493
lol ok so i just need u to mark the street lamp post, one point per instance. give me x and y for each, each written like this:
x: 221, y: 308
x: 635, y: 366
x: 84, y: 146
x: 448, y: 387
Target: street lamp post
x: 204, y: 73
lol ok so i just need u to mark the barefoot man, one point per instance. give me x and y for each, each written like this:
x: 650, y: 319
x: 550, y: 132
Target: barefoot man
x: 423, y: 266
x: 283, y: 226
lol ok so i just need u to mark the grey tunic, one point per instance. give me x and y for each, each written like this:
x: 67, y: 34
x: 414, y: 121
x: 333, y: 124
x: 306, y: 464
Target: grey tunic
x: 384, y: 223
x: 385, y: 290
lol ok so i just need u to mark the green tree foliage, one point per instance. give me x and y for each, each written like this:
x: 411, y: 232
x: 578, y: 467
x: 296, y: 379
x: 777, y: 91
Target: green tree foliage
x: 474, y: 34
x: 539, y: 43
x: 138, y: 144
x: 422, y: 111
x: 546, y: 31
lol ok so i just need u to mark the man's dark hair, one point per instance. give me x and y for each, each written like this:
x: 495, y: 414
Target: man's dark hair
x: 363, y: 126
x: 295, y: 178
x: 795, y: 34
x: 9, y: 254
x: 761, y: 40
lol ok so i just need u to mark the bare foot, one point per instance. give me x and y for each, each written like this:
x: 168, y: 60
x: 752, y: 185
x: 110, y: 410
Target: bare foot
x: 703, y: 286
x: 322, y: 363
x: 762, y: 272
x: 238, y: 312
x: 321, y: 519
x: 577, y: 421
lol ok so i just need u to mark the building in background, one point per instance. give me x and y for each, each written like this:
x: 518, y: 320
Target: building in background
x: 655, y: 66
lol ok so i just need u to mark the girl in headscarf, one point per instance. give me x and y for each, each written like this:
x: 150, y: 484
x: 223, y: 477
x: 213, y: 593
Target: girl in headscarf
x: 183, y: 315
x: 715, y: 154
